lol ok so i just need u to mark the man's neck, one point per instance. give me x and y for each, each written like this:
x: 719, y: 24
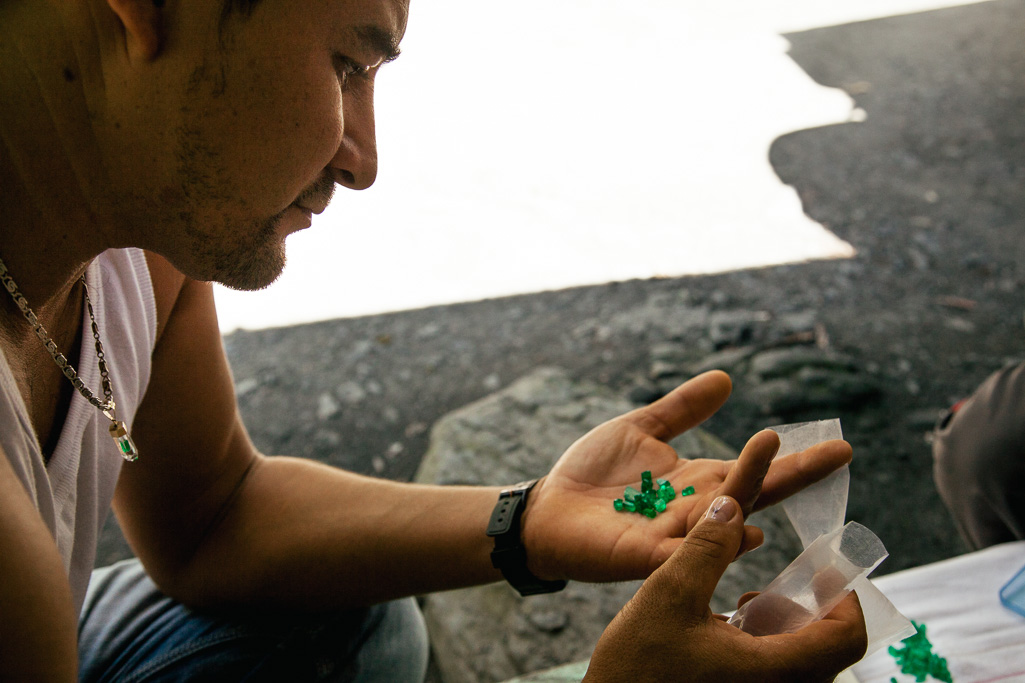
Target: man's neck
x: 49, y: 228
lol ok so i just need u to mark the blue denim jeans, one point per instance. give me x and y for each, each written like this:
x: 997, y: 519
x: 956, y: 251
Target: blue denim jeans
x: 130, y: 632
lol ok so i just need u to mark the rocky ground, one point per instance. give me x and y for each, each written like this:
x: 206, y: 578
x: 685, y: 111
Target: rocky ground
x: 929, y: 191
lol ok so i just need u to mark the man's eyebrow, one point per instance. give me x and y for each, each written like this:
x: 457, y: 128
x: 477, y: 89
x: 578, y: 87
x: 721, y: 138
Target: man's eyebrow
x: 381, y: 41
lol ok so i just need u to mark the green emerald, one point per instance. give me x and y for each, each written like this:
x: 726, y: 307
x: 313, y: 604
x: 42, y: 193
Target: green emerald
x: 646, y: 481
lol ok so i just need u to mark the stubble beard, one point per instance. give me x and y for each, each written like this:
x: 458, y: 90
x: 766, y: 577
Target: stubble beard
x: 205, y: 238
x: 252, y: 262
x: 212, y: 246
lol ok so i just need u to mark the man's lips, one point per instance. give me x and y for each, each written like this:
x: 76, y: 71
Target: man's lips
x: 316, y: 197
x: 311, y: 207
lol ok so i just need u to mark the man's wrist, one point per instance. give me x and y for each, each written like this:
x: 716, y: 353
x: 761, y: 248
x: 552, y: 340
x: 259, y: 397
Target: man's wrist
x: 510, y: 554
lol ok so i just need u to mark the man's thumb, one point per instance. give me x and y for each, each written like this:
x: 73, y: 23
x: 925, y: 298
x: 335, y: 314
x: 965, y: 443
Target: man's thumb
x: 699, y: 562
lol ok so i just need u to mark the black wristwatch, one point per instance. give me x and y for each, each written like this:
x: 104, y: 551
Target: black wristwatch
x: 509, y: 555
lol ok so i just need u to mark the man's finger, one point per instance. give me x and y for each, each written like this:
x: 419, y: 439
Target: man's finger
x: 747, y: 597
x: 744, y: 482
x: 697, y: 565
x: 826, y: 646
x: 792, y: 473
x: 753, y: 539
x: 686, y: 406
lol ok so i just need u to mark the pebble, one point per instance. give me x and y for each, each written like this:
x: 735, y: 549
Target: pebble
x: 661, y: 370
x: 960, y: 324
x: 415, y: 429
x: 245, y: 386
x: 327, y: 407
x: 549, y: 621
x: 351, y: 393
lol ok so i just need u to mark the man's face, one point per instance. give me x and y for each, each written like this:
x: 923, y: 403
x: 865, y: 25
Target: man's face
x: 270, y: 111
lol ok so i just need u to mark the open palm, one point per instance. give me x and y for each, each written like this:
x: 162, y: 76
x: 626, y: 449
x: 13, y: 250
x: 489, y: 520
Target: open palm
x: 571, y: 529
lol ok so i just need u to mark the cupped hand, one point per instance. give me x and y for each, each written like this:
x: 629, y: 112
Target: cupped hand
x: 572, y: 531
x: 667, y: 632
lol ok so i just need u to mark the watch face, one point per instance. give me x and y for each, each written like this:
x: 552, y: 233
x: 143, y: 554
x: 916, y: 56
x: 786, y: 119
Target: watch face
x: 522, y: 486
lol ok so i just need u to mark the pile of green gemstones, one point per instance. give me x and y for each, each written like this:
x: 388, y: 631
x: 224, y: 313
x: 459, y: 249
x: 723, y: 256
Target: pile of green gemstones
x: 649, y: 501
x: 916, y: 657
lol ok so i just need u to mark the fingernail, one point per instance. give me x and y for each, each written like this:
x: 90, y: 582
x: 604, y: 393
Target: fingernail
x: 722, y: 509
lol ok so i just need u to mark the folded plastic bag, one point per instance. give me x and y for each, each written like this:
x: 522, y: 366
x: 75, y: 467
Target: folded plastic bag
x: 813, y: 581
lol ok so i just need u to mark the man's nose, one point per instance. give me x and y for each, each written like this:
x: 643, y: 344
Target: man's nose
x: 355, y: 162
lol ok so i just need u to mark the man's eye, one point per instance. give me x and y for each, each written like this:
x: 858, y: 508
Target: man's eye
x: 348, y: 68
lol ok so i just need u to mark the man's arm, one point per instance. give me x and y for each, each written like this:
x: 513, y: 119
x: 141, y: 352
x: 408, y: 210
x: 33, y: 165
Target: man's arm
x: 217, y: 523
x: 38, y: 628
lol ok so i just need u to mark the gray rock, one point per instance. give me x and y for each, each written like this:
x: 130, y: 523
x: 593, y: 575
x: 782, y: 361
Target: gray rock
x: 675, y: 354
x: 728, y: 360
x: 490, y: 633
x: 736, y: 328
x: 538, y: 417
x: 672, y: 317
x: 813, y: 388
x: 774, y: 363
x: 661, y: 370
x: 793, y: 323
x: 644, y: 393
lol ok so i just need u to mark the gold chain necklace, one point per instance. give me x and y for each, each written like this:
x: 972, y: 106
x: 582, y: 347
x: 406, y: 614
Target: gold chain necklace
x: 118, y: 430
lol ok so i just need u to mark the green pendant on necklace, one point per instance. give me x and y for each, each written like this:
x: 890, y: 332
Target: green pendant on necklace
x: 119, y: 432
x: 118, y: 429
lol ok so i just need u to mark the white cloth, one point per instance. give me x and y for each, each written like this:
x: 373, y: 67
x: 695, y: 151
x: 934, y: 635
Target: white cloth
x: 74, y: 490
x: 958, y: 601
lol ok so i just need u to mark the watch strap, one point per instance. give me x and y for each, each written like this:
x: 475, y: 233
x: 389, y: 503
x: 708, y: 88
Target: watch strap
x: 510, y: 555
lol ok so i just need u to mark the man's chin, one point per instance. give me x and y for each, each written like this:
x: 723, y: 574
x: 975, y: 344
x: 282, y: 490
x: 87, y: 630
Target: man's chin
x: 246, y: 286
x: 247, y: 270
x: 252, y: 278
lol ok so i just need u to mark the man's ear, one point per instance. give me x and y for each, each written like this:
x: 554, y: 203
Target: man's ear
x: 141, y: 19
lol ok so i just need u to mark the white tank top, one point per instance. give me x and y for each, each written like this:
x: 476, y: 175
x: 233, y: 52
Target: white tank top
x: 74, y: 490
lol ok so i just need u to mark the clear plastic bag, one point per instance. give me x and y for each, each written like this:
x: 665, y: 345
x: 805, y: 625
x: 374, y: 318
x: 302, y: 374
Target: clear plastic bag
x: 818, y: 512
